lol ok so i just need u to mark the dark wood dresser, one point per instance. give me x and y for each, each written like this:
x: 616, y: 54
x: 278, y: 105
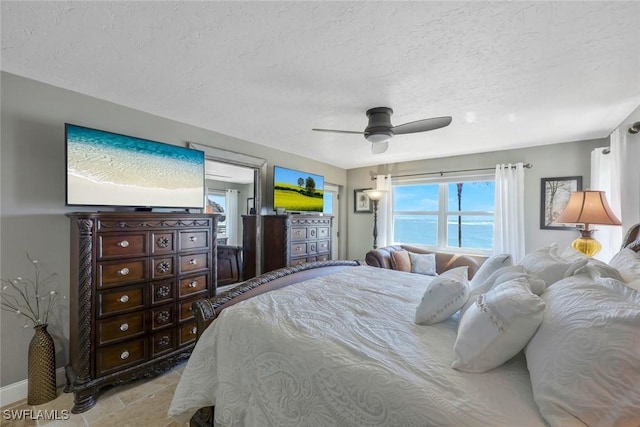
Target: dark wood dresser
x: 295, y: 239
x: 134, y: 277
x: 249, y: 246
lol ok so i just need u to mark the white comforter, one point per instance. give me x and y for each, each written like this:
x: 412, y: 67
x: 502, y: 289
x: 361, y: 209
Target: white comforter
x: 343, y: 350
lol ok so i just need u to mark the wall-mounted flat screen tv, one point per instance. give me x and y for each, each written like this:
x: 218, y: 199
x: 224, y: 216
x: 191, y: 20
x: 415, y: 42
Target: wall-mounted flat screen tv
x: 297, y: 191
x: 109, y: 169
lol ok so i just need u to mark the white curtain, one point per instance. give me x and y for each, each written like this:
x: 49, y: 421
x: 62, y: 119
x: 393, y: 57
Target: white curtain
x: 385, y: 211
x: 508, y: 232
x: 606, y: 166
x: 232, y: 217
x: 626, y: 148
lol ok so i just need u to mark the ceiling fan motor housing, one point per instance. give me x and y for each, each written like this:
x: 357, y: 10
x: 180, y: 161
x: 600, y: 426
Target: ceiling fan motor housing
x: 379, y: 127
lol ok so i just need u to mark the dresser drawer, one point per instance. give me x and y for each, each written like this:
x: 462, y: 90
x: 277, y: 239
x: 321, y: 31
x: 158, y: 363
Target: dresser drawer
x: 322, y: 257
x: 163, y: 243
x: 184, y: 308
x: 312, y: 247
x: 163, y: 267
x: 122, y: 245
x: 194, y: 240
x: 298, y: 249
x: 192, y: 285
x: 163, y: 342
x: 299, y: 233
x: 324, y: 232
x: 119, y: 301
x: 193, y: 262
x: 323, y: 246
x: 187, y: 333
x: 162, y: 292
x: 121, y: 327
x: 119, y: 356
x: 298, y: 261
x: 313, y: 233
x: 116, y: 273
x: 163, y: 316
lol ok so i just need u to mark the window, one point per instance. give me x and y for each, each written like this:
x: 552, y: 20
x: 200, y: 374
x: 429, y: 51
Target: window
x: 217, y: 202
x: 455, y: 214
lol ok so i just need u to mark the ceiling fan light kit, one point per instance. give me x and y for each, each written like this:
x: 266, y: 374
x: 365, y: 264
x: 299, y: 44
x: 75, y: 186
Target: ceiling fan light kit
x: 380, y: 130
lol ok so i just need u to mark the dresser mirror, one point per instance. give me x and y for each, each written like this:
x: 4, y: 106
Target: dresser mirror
x: 234, y: 184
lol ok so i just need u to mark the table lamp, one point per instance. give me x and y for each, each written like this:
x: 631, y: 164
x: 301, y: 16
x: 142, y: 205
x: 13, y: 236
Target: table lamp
x: 587, y: 208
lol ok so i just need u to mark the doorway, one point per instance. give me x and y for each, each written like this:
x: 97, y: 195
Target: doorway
x: 332, y: 207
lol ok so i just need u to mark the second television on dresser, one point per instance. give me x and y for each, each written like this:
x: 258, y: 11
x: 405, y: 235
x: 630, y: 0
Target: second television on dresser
x: 297, y: 191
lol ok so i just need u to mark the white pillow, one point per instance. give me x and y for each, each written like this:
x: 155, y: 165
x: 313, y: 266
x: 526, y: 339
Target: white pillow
x: 593, y: 268
x: 583, y: 360
x: 497, y: 326
x: 443, y: 297
x: 546, y: 264
x: 487, y: 268
x: 423, y: 264
x: 628, y: 264
x: 504, y: 274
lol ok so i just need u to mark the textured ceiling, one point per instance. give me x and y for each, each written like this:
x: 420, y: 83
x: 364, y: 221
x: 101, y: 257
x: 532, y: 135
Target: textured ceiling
x: 511, y: 74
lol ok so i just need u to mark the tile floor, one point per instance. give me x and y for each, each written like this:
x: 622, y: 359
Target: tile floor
x: 140, y: 403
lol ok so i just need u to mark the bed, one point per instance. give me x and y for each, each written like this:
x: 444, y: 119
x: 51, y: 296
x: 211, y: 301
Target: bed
x: 337, y: 343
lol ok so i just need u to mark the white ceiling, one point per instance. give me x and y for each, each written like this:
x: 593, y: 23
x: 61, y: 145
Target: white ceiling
x: 511, y: 74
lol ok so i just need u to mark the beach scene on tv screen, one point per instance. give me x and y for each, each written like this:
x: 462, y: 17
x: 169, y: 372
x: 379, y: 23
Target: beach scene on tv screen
x: 297, y: 191
x: 104, y: 168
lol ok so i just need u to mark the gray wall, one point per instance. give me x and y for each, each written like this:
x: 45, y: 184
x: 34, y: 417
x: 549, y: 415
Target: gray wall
x: 568, y: 159
x: 32, y: 184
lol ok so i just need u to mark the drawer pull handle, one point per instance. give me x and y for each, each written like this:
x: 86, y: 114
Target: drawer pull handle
x: 123, y: 244
x: 163, y: 267
x: 163, y: 292
x: 124, y: 327
x: 193, y: 261
x: 124, y: 355
x: 124, y: 271
x: 193, y: 238
x: 164, y: 341
x: 162, y: 242
x: 124, y: 298
x: 194, y: 330
x: 163, y: 317
x: 193, y: 284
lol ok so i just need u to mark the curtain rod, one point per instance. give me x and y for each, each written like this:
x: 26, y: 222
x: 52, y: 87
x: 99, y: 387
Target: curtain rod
x: 441, y: 173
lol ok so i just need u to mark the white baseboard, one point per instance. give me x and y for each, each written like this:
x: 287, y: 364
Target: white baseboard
x: 16, y: 392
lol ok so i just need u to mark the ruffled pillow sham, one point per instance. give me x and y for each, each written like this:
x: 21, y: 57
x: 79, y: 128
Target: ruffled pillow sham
x: 546, y: 264
x: 443, y: 297
x: 497, y: 326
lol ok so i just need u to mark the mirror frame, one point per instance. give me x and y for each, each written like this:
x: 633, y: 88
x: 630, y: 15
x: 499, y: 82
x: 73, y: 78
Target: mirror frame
x: 259, y: 167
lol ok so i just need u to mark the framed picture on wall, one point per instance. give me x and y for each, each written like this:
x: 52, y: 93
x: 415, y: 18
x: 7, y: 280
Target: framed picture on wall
x: 554, y: 195
x: 361, y: 202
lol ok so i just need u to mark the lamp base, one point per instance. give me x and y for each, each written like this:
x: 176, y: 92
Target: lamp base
x: 586, y: 244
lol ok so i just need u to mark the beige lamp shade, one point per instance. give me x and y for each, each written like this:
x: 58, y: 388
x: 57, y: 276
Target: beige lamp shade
x: 588, y: 207
x: 375, y: 195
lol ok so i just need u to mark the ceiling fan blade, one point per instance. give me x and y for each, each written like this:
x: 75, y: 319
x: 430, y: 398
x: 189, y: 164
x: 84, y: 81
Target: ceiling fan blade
x: 422, y: 125
x: 338, y: 131
x: 379, y: 147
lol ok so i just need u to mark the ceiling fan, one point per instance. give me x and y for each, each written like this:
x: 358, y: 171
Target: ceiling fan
x: 380, y: 130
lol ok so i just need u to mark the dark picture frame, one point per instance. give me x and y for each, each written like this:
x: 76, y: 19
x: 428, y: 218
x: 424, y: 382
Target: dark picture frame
x: 554, y: 195
x: 361, y: 202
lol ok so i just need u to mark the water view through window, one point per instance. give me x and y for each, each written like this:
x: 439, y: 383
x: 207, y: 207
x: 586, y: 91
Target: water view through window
x: 468, y: 214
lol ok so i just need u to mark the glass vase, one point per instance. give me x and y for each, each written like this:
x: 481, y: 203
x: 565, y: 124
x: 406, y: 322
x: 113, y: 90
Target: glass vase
x: 42, y: 367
